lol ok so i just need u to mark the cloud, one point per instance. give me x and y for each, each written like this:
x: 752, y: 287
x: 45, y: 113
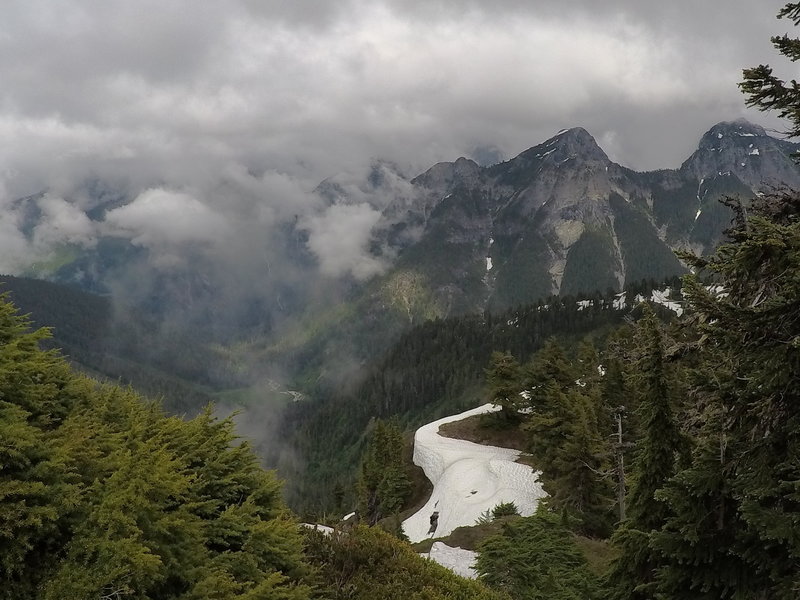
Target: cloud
x: 216, y: 121
x: 15, y: 251
x: 171, y: 92
x: 339, y: 238
x: 161, y: 217
x: 62, y: 222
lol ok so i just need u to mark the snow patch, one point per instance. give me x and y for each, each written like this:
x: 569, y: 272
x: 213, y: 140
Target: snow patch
x: 697, y: 214
x: 719, y: 136
x: 620, y: 301
x: 662, y: 298
x: 717, y: 291
x: 468, y: 479
x: 322, y: 528
x: 459, y: 561
x: 754, y: 152
x: 488, y: 263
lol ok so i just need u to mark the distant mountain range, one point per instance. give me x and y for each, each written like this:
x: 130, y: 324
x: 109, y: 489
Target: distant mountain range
x: 562, y: 218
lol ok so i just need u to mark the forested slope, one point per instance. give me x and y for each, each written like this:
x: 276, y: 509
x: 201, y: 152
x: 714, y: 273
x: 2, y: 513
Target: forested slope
x: 102, y: 495
x: 433, y: 370
x: 182, y: 371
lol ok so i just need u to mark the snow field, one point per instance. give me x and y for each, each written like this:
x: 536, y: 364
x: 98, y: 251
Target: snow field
x: 468, y: 479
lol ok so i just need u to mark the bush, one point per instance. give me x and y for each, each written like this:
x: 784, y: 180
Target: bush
x: 505, y: 509
x: 536, y: 558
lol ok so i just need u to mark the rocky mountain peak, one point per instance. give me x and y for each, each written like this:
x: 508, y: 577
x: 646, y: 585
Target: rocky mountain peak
x: 740, y: 147
x: 730, y: 133
x: 580, y: 143
x: 567, y: 144
x: 444, y: 176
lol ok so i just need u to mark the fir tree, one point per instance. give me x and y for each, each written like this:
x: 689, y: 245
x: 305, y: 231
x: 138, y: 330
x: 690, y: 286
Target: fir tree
x: 537, y: 558
x: 752, y: 328
x: 633, y: 574
x: 383, y: 483
x: 765, y: 90
x: 502, y: 380
x: 103, y: 496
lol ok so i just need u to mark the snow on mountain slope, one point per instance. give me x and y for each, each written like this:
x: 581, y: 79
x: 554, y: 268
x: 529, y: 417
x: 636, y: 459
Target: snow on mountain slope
x: 468, y: 479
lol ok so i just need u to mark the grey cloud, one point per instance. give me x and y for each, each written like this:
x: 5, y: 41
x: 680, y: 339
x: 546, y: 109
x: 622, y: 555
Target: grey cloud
x: 339, y: 237
x: 62, y: 222
x: 246, y: 106
x: 161, y: 217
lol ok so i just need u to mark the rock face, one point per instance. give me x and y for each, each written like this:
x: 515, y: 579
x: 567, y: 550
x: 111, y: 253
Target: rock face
x: 562, y: 218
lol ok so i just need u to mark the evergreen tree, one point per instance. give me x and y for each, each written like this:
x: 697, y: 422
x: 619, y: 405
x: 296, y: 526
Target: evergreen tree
x: 103, y: 496
x: 633, y: 573
x: 700, y: 543
x: 736, y: 508
x: 366, y: 563
x: 537, y: 558
x: 503, y: 381
x: 768, y: 92
x: 579, y: 478
x: 550, y: 364
x: 565, y: 439
x: 752, y: 330
x: 383, y: 484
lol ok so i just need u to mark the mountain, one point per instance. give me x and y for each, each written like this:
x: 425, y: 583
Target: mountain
x: 459, y: 238
x: 562, y: 218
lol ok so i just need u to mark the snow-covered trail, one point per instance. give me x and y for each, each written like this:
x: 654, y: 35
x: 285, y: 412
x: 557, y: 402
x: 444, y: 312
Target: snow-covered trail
x: 468, y: 479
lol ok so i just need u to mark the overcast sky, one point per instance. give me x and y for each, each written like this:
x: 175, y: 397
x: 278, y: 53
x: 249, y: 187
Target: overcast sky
x: 181, y: 90
x: 221, y: 115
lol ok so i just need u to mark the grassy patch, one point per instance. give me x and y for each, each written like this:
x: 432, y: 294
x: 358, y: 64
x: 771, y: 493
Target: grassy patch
x: 252, y: 396
x: 598, y: 553
x: 59, y: 257
x: 488, y: 430
x: 468, y: 538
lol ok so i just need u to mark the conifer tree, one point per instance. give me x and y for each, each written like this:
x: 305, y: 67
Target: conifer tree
x: 103, y: 496
x: 633, y: 573
x: 767, y: 91
x: 383, y: 484
x: 737, y: 507
x: 700, y: 543
x: 537, y: 558
x: 502, y: 380
x: 550, y: 364
x: 752, y: 329
x: 578, y: 478
x: 565, y: 439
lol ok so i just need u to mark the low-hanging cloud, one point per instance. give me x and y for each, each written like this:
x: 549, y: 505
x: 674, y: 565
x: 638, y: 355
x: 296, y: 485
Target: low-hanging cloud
x: 339, y: 238
x: 207, y: 127
x: 62, y: 222
x: 161, y: 217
